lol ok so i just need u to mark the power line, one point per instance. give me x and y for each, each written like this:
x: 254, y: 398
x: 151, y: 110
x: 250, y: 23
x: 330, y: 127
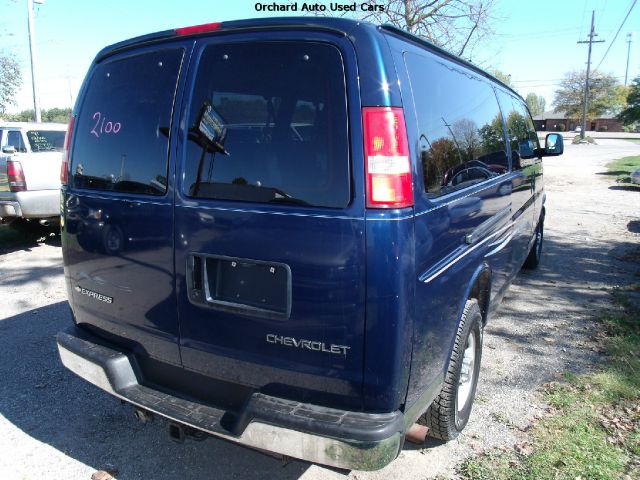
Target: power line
x: 538, y: 33
x: 584, y: 13
x: 633, y: 4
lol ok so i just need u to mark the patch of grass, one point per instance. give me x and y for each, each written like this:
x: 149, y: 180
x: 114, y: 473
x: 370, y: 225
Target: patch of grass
x: 626, y: 166
x: 593, y: 431
x: 501, y: 418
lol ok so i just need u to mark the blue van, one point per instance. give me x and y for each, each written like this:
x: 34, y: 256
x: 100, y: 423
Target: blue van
x: 290, y: 232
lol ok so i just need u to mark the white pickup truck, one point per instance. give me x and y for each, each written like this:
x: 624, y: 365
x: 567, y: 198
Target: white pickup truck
x: 30, y: 160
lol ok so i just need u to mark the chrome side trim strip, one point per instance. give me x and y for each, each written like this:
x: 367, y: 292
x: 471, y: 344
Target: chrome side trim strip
x: 486, y: 226
x: 428, y: 276
x: 266, y: 212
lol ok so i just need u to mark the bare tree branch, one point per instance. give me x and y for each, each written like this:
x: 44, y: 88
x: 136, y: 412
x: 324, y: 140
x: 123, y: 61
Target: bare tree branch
x: 478, y: 19
x: 455, y: 25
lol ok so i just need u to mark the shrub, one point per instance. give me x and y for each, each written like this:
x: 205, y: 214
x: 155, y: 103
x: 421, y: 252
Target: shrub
x: 603, y: 128
x: 561, y: 127
x: 577, y: 140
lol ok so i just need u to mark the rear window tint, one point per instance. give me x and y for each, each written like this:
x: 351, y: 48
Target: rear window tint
x: 45, y: 140
x: 268, y: 123
x: 121, y: 136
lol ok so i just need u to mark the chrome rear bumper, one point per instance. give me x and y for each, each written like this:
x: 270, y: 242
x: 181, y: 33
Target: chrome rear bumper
x: 372, y: 440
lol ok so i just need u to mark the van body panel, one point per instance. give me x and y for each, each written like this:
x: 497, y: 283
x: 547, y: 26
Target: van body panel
x: 454, y: 232
x: 390, y: 288
x: 322, y: 248
x: 327, y: 301
x: 144, y: 321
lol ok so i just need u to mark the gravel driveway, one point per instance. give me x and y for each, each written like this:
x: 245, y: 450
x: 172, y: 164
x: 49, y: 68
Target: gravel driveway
x: 54, y: 425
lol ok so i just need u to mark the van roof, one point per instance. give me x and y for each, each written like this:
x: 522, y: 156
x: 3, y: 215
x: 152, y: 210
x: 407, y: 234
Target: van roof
x: 355, y: 29
x: 341, y: 26
x: 421, y: 41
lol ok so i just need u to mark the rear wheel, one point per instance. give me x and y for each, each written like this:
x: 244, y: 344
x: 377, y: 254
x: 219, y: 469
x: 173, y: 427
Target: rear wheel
x: 449, y: 413
x: 535, y: 254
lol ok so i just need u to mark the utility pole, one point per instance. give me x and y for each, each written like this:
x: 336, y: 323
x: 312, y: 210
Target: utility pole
x: 586, y: 83
x: 32, y: 50
x: 630, y: 36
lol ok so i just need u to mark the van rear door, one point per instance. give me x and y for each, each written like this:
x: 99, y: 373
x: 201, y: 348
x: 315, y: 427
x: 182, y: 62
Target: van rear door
x: 269, y: 220
x: 118, y: 207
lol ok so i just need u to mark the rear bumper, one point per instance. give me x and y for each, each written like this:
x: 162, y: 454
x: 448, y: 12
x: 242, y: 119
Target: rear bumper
x: 343, y: 439
x: 30, y: 204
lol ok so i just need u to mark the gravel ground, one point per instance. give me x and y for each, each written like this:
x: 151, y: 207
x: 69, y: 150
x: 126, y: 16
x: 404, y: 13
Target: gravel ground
x: 54, y: 425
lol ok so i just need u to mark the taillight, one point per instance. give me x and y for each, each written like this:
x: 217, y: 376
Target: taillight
x: 386, y: 150
x: 196, y: 29
x: 17, y: 182
x: 64, y: 167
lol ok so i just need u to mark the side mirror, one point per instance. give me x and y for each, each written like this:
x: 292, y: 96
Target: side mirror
x: 553, y: 145
x: 10, y: 149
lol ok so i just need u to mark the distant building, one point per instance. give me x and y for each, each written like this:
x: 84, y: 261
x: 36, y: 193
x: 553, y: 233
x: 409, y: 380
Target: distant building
x: 558, y: 122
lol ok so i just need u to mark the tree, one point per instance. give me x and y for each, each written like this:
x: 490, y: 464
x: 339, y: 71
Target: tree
x: 503, y: 77
x: 23, y: 116
x: 631, y: 114
x: 55, y: 115
x: 10, y: 80
x: 536, y: 104
x: 604, y: 95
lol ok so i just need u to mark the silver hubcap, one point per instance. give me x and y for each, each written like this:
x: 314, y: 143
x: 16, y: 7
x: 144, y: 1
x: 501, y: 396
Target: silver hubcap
x: 539, y: 241
x: 467, y: 373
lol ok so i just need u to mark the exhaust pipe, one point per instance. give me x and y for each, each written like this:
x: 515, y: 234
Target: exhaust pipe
x: 417, y: 434
x: 144, y: 416
x: 44, y: 222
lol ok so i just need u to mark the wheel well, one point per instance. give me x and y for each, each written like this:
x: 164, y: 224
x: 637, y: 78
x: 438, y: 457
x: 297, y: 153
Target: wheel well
x: 481, y: 292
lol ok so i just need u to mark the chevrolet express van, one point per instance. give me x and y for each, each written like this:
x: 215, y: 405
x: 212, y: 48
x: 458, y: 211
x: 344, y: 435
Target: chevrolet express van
x: 290, y: 233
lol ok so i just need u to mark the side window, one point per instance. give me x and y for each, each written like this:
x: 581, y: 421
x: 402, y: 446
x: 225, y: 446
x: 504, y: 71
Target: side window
x: 268, y: 124
x: 520, y: 129
x: 121, y: 137
x: 14, y: 139
x: 461, y: 134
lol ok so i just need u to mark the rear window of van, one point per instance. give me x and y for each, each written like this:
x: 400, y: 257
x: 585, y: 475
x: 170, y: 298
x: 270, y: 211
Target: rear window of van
x: 268, y: 124
x: 121, y: 136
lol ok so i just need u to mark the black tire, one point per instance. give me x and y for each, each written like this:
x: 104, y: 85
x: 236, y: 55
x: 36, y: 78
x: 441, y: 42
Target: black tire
x: 444, y: 419
x: 533, y: 259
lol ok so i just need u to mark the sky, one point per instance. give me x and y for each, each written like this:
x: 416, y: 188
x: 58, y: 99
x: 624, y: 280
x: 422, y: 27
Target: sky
x: 534, y: 41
